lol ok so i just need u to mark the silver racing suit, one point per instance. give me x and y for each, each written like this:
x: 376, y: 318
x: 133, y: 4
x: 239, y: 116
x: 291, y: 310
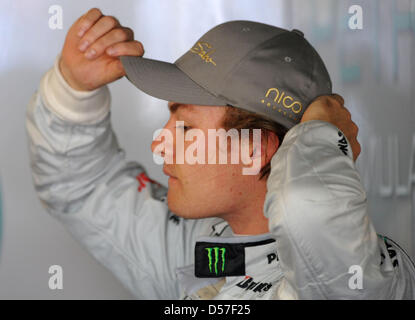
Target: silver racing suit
x: 321, y: 243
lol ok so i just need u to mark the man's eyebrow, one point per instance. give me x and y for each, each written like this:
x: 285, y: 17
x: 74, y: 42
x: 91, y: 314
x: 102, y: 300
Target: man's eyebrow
x: 174, y: 106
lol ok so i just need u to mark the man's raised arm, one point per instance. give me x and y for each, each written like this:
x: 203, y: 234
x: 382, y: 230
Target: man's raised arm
x: 317, y: 210
x: 81, y: 175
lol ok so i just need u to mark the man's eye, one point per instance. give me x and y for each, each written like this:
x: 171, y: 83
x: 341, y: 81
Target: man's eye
x: 184, y: 128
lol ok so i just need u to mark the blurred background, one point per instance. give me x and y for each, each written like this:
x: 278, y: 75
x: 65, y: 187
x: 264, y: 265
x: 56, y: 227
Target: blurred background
x: 369, y: 51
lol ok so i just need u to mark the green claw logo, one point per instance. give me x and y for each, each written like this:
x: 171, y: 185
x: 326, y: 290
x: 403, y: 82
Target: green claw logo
x: 216, y: 251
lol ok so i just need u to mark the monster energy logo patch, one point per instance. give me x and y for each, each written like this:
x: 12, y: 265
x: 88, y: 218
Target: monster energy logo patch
x: 220, y: 259
x: 218, y: 254
x: 215, y: 259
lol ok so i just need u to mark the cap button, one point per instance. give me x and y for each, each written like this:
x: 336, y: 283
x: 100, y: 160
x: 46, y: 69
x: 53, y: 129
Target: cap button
x: 298, y: 32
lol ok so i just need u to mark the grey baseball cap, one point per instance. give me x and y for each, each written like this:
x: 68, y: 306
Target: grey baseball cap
x: 253, y: 66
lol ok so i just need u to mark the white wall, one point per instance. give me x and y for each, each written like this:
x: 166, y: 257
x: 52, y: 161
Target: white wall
x: 373, y: 68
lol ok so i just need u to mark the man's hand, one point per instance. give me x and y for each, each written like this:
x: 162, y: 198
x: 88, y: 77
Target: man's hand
x: 331, y: 109
x: 90, y: 55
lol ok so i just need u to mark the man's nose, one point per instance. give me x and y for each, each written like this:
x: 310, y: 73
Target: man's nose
x: 166, y: 138
x: 155, y: 143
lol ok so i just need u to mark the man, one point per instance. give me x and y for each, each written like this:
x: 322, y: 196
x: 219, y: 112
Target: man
x: 299, y: 229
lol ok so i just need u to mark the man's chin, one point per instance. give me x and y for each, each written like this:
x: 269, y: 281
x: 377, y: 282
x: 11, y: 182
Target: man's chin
x: 182, y: 210
x: 178, y: 210
x: 174, y: 206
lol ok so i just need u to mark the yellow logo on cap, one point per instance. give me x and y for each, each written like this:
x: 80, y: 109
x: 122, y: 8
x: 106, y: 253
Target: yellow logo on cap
x: 286, y: 101
x: 201, y: 49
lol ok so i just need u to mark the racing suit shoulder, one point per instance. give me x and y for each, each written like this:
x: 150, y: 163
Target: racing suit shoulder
x: 82, y: 178
x: 317, y: 210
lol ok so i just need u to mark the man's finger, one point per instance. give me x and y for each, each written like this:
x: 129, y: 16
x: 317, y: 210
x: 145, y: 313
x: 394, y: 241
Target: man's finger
x: 322, y: 99
x: 101, y: 27
x: 338, y: 98
x: 357, y: 149
x: 88, y: 20
x: 355, y: 128
x: 346, y: 112
x: 131, y: 48
x: 114, y: 36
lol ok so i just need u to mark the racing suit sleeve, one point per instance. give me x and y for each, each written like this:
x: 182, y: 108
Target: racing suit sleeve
x: 82, y: 178
x: 317, y: 210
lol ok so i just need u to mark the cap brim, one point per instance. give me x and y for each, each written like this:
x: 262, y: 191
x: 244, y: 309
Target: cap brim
x: 167, y: 82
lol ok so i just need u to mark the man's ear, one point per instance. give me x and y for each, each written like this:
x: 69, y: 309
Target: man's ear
x: 269, y: 146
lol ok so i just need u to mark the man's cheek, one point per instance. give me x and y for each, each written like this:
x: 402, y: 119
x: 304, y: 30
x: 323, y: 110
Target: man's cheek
x: 195, y: 147
x: 212, y: 155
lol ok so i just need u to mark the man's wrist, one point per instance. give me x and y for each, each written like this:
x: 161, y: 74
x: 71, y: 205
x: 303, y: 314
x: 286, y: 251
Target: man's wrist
x: 82, y: 107
x: 320, y: 131
x: 66, y: 75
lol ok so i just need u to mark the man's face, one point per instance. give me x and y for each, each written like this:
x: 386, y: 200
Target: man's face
x: 202, y: 190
